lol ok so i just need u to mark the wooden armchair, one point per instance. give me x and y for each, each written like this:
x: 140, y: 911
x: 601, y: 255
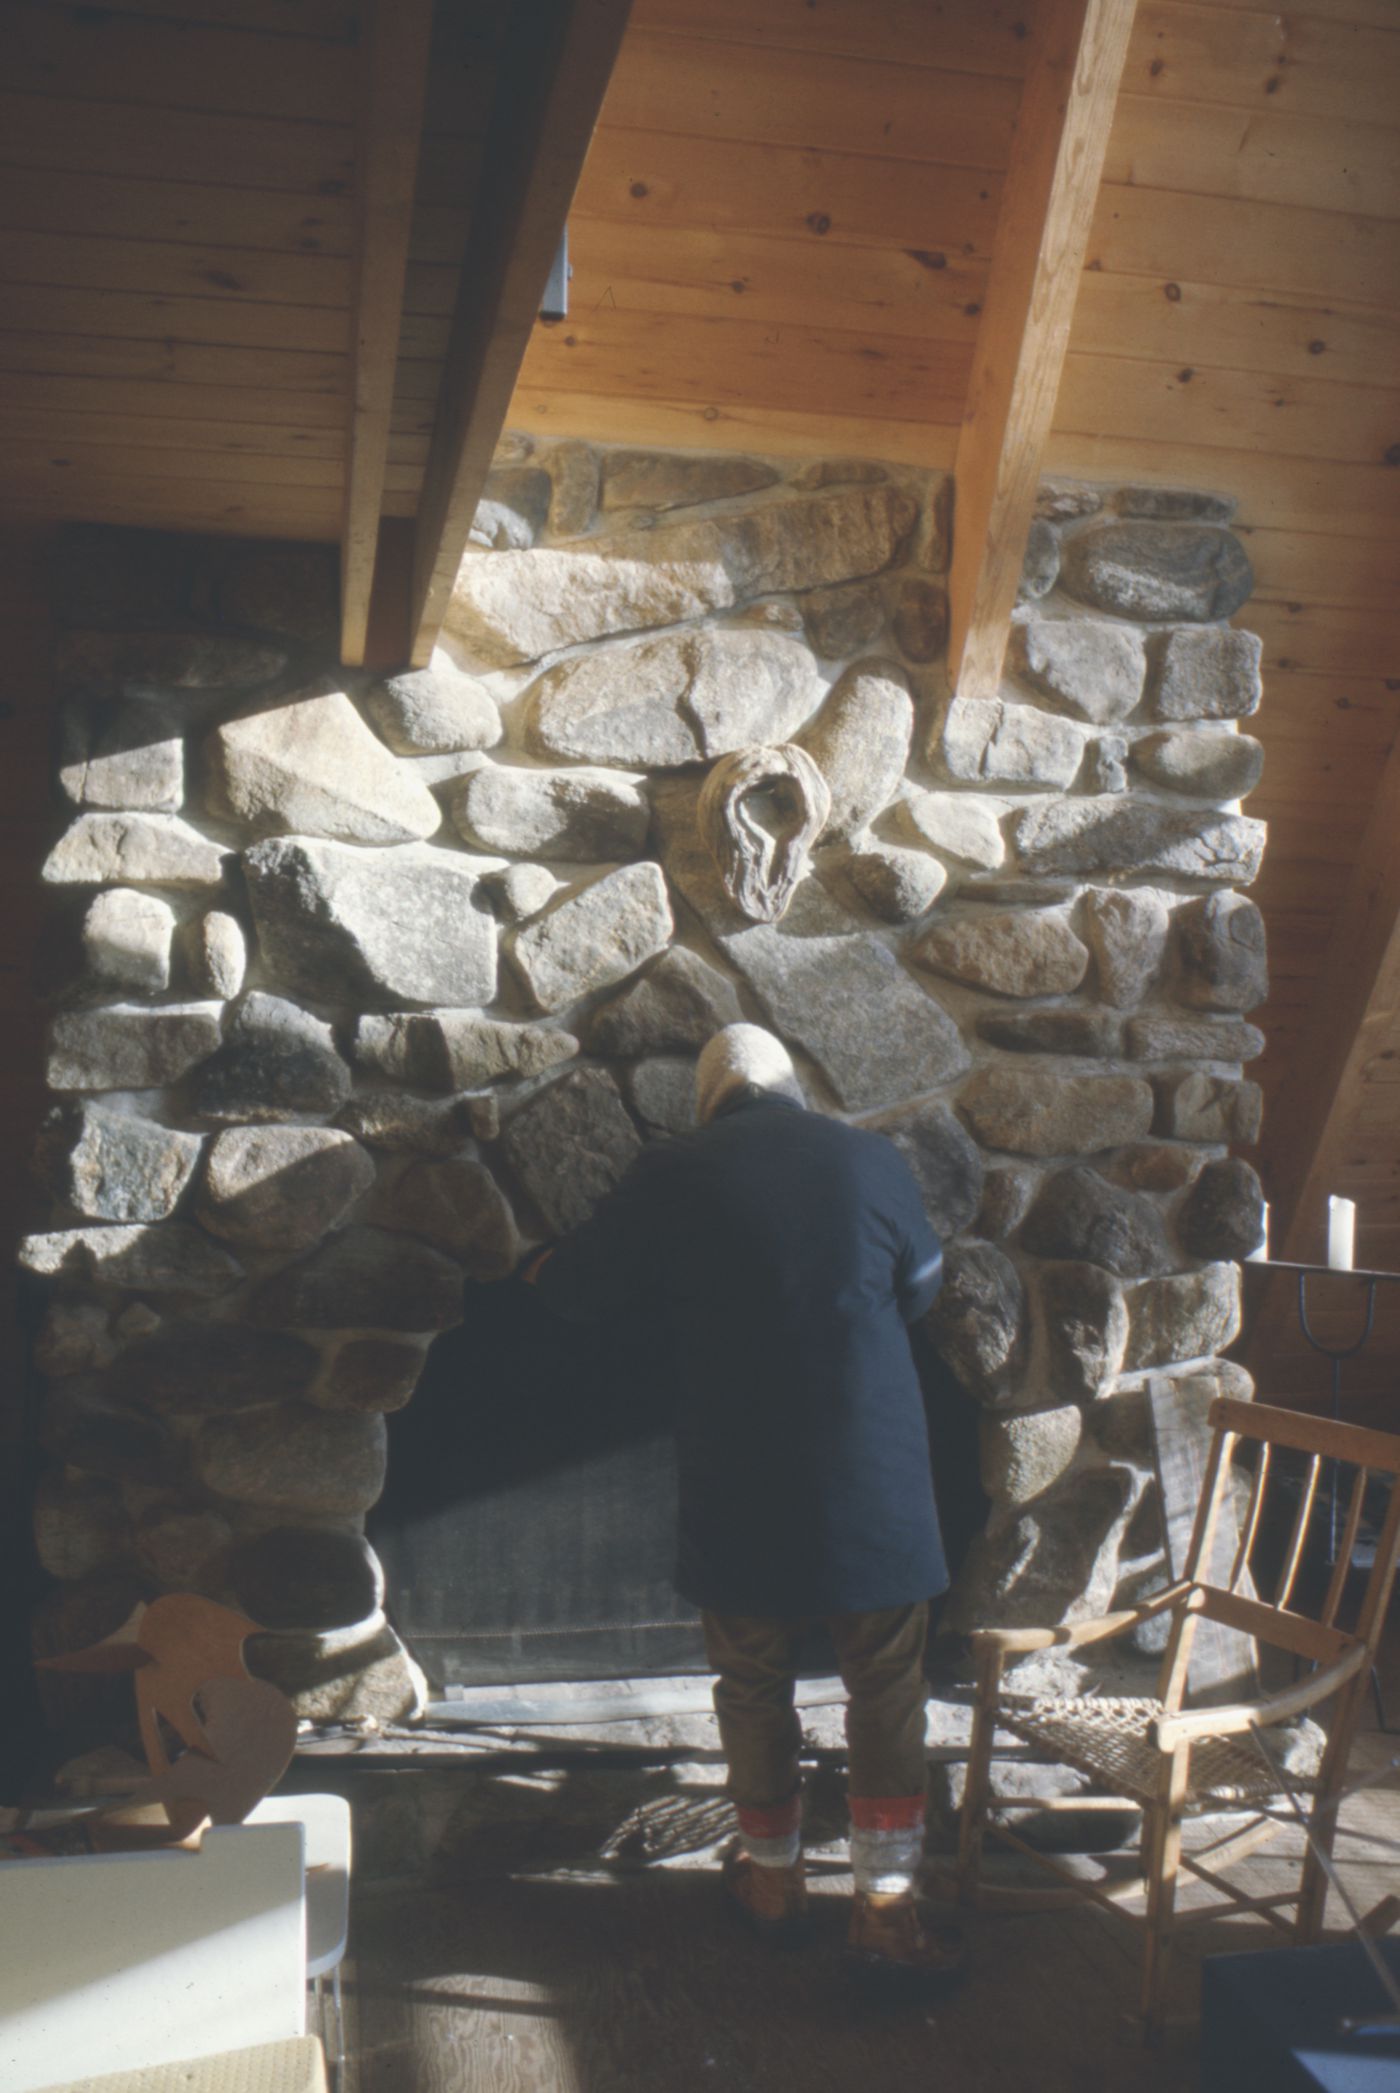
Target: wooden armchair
x: 1169, y: 1761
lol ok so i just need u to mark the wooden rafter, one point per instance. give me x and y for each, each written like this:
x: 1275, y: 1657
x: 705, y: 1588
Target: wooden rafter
x: 1052, y: 184
x: 394, y: 57
x: 1353, y: 1011
x: 556, y: 65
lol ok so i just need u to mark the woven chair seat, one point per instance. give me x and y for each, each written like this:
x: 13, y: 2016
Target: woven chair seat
x: 1111, y: 1741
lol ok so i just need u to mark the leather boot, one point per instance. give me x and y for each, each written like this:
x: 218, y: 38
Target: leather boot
x: 892, y: 1939
x: 771, y: 1901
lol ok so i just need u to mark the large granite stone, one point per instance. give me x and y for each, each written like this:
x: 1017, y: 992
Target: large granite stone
x: 184, y: 1550
x: 1174, y: 504
x: 521, y: 891
x: 363, y: 1279
x: 961, y: 825
x: 457, y: 1206
x: 398, y: 1121
x: 843, y: 621
x: 512, y: 510
x: 661, y: 1091
x: 457, y: 1049
x: 683, y: 698
x: 1024, y: 1455
x: 1073, y: 1028
x: 294, y: 1459
x: 305, y: 1577
x: 371, y: 1373
x: 860, y: 743
x: 1016, y: 953
x: 79, y: 1525
x: 361, y: 1677
x: 1222, y: 945
x: 1157, y: 1166
x: 1207, y: 765
x: 435, y: 711
x: 112, y: 1166
x: 1065, y: 501
x: 310, y: 766
x: 1194, y: 571
x: 1211, y: 674
x: 127, y: 937
x: 986, y: 741
x: 151, y: 850
x: 1111, y: 834
x: 1079, y: 1216
x: 190, y: 1368
x: 1084, y: 1327
x: 1033, y: 1112
x: 977, y: 1324
x: 515, y: 606
x: 946, y: 1165
x: 898, y: 885
x: 1202, y: 1107
x: 80, y: 1425
x: 843, y: 997
x: 1097, y: 670
x: 1052, y: 1561
x: 585, y: 814
x: 278, y: 1062
x: 122, y: 753
x: 130, y: 1046
x: 674, y: 1007
x: 1127, y: 934
x: 384, y: 927
x: 919, y: 618
x: 1189, y: 1316
x: 1222, y: 1216
x: 662, y: 480
x: 216, y: 954
x: 1174, y: 1035
x: 570, y: 1144
x: 162, y: 1257
x: 595, y: 937
x: 1007, y: 1191
x: 281, y: 1187
x: 574, y: 470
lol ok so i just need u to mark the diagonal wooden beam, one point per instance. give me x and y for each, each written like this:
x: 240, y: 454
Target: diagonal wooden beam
x: 1051, y: 188
x: 1354, y: 1009
x: 394, y: 62
x: 556, y: 64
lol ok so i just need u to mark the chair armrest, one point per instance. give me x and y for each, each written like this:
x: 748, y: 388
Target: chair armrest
x: 1170, y: 1730
x: 1074, y: 1635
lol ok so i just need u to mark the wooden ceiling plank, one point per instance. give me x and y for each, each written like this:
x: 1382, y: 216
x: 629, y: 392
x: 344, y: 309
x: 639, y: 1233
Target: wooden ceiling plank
x: 393, y: 87
x: 1048, y: 201
x: 554, y: 72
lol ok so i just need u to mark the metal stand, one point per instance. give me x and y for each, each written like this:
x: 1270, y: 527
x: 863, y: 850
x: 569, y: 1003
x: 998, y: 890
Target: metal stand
x: 1335, y: 1354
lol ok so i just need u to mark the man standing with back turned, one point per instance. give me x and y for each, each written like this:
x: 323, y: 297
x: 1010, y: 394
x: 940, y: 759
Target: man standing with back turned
x: 786, y: 1253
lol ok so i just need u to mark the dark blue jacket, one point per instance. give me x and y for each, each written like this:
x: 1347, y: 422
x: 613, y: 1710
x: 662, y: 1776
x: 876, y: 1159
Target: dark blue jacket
x: 785, y: 1252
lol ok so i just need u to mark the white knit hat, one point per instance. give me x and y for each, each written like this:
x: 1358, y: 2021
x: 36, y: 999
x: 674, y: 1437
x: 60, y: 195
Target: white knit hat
x: 742, y: 1057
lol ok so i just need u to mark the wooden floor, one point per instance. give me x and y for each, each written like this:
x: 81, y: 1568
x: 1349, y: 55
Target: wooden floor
x: 540, y: 1950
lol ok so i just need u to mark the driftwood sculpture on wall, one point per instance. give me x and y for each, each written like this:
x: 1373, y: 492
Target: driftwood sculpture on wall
x: 759, y: 813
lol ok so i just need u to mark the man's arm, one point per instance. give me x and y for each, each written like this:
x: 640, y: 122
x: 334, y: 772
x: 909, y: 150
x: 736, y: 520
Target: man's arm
x: 919, y: 1265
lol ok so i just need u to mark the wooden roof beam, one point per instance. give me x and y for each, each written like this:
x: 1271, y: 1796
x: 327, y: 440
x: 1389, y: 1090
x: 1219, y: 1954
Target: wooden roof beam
x: 394, y: 74
x: 557, y: 61
x: 1052, y: 186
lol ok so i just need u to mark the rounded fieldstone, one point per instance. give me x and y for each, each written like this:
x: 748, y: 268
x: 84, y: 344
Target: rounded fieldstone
x: 1207, y: 765
x: 1095, y: 669
x: 859, y: 742
x: 1150, y: 571
x: 1222, y: 945
x: 192, y: 1368
x: 294, y: 1459
x: 371, y: 1373
x: 919, y: 619
x: 216, y: 954
x: 1019, y: 953
x: 1222, y: 1216
x: 1040, y: 569
x: 79, y: 1424
x: 305, y: 1577
x: 435, y: 711
x: 130, y: 1046
x: 1072, y: 1029
x: 73, y: 1338
x: 989, y: 741
x: 1157, y: 1166
x: 126, y: 939
x: 842, y: 622
x: 1188, y: 1316
x: 977, y: 1324
x: 678, y: 1004
x: 281, y: 1187
x: 342, y: 1676
x: 585, y: 815
x: 946, y: 1164
x: 1031, y: 1112
x: 1084, y: 1320
x: 1007, y: 1192
x: 898, y: 885
x: 661, y: 1091
x: 1024, y: 1455
x: 1079, y: 1216
x: 1209, y: 674
x: 80, y: 1525
x: 278, y: 1062
x: 309, y: 766
x: 570, y: 1144
x: 182, y: 1548
x: 456, y: 1205
x: 363, y: 1279
x: 1127, y: 934
x: 113, y: 1166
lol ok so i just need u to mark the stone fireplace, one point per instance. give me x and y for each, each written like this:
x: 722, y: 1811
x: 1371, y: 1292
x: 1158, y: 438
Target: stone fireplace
x: 367, y: 982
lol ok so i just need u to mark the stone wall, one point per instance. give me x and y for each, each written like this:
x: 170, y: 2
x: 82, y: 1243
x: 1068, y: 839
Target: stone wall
x: 371, y: 981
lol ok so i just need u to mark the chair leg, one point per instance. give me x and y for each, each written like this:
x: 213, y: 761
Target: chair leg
x: 1161, y: 1864
x: 1312, y: 1889
x: 979, y: 1766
